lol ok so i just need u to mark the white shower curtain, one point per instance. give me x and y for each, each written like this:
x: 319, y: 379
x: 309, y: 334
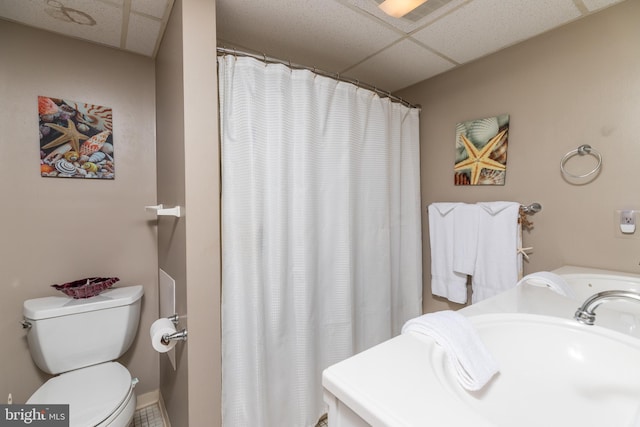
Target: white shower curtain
x: 321, y: 234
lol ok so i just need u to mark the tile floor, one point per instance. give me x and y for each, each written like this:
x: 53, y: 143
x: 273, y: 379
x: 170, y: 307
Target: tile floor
x: 149, y: 416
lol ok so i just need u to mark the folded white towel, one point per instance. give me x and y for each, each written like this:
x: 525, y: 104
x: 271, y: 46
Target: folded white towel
x: 551, y: 280
x: 473, y: 363
x: 444, y: 281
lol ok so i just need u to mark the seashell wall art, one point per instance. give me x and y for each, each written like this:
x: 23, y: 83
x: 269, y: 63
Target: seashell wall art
x: 76, y: 139
x: 481, y: 151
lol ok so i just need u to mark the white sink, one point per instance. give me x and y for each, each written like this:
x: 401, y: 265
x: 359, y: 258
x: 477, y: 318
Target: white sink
x: 553, y: 372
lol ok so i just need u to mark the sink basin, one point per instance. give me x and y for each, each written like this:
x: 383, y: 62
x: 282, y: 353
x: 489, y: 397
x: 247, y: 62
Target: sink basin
x: 553, y: 372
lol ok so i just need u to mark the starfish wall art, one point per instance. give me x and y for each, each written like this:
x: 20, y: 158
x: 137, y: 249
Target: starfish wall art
x: 76, y: 139
x: 481, y: 151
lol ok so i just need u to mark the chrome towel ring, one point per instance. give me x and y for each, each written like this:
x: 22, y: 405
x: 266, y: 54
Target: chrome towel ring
x: 581, y: 151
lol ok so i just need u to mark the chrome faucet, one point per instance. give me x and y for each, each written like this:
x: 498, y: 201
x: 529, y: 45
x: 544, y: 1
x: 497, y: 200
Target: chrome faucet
x: 586, y: 314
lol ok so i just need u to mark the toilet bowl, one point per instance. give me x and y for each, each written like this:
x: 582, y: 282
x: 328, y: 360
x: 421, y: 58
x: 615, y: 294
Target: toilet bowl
x: 99, y: 395
x: 78, y: 340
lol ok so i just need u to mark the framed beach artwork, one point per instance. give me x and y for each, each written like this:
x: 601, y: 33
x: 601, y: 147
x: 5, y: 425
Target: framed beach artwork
x: 76, y: 139
x: 481, y: 151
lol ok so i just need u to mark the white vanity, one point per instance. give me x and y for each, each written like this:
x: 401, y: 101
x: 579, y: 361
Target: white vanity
x: 554, y: 370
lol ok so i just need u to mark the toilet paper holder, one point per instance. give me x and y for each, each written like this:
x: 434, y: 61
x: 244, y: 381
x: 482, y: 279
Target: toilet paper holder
x: 176, y: 336
x: 174, y: 319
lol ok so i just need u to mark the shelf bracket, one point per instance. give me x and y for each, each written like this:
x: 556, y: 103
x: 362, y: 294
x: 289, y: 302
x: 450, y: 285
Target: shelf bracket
x: 162, y: 211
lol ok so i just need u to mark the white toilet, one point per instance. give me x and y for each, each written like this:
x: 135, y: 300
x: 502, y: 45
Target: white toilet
x: 80, y: 339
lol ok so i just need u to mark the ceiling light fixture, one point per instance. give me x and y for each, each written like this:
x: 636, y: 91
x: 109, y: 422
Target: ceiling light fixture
x: 399, y: 8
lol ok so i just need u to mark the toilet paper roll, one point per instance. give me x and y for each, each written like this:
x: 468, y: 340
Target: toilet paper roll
x: 159, y: 328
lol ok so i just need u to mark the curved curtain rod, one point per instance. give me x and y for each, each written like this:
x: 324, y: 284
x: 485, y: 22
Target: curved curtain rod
x: 336, y: 76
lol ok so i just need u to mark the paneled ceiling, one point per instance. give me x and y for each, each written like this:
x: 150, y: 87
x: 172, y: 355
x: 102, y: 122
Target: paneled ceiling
x: 351, y: 37
x: 133, y: 25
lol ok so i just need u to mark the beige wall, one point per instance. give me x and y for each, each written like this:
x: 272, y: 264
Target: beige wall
x: 171, y: 182
x: 188, y: 174
x: 55, y: 230
x: 202, y: 175
x: 579, y: 84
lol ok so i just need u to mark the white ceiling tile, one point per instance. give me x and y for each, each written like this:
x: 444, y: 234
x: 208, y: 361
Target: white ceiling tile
x: 593, y: 5
x: 399, y: 66
x: 155, y: 8
x: 142, y: 34
x: 323, y: 33
x: 94, y: 21
x: 332, y: 35
x: 486, y: 26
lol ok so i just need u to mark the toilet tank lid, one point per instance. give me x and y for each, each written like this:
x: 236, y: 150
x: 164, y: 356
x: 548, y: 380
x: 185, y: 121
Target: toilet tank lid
x: 48, y: 307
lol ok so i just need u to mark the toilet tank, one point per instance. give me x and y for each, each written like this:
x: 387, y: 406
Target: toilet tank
x: 68, y: 334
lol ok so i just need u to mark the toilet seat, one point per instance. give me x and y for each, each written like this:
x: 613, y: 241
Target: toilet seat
x: 93, y: 393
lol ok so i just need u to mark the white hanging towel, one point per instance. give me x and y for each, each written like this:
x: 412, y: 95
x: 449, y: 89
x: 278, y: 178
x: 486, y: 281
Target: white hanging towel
x: 445, y: 282
x: 498, y: 265
x: 465, y: 238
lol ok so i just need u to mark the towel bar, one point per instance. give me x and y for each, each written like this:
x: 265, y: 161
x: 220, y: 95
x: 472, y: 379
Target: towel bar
x: 532, y: 208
